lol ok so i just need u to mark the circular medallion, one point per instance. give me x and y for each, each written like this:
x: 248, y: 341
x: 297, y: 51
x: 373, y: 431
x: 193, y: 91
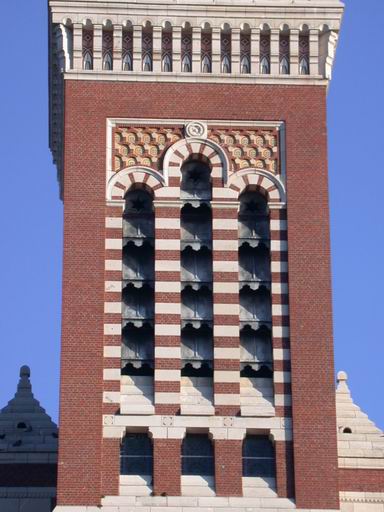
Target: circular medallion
x: 196, y: 129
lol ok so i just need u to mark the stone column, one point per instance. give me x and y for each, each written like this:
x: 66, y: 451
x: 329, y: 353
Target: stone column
x: 294, y: 52
x: 255, y: 51
x: 235, y: 50
x: 97, y: 47
x: 117, y: 47
x: 196, y: 50
x: 275, y: 51
x: 176, y: 49
x: 314, y: 52
x: 216, y: 50
x: 77, y: 46
x: 137, y: 48
x: 156, y: 49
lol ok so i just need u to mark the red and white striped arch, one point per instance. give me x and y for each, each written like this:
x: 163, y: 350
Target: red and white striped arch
x: 122, y: 181
x: 179, y: 152
x: 265, y: 180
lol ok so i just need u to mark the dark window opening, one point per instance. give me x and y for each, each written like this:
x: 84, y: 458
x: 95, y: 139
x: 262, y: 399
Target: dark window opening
x: 196, y: 226
x: 256, y: 352
x: 196, y: 304
x: 255, y: 305
x: 197, y: 455
x: 137, y: 349
x: 136, y: 455
x: 196, y: 180
x: 197, y: 351
x: 258, y: 457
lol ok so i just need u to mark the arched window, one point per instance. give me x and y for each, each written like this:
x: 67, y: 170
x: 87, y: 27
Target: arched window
x: 166, y: 51
x: 265, y: 53
x: 136, y: 455
x: 304, y: 54
x: 206, y: 64
x: 197, y: 455
x: 186, y: 50
x: 87, y: 49
x: 127, y: 62
x: 107, y: 62
x: 245, y: 52
x: 245, y: 65
x: 196, y: 180
x: 225, y: 65
x: 284, y: 54
x: 206, y: 52
x: 186, y: 65
x: 87, y: 60
x: 147, y: 48
x: 226, y: 51
x: 107, y: 50
x: 147, y: 63
x: 167, y: 63
x: 138, y: 290
x: 258, y: 457
x: 127, y: 50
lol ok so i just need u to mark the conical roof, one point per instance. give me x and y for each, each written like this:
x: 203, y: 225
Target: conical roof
x: 27, y: 433
x: 360, y: 441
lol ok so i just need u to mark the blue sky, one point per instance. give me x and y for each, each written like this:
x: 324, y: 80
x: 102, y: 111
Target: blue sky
x: 31, y: 213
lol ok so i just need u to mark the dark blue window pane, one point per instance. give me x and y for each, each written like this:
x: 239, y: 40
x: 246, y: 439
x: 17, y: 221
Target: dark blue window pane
x: 258, y: 457
x: 197, y: 456
x: 136, y: 455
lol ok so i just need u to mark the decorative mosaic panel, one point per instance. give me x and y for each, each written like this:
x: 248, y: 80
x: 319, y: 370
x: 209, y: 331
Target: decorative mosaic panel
x: 249, y: 148
x: 146, y: 146
x: 142, y: 146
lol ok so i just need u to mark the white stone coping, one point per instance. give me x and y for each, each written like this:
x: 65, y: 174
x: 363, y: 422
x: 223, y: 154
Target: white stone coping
x: 236, y: 78
x: 362, y: 497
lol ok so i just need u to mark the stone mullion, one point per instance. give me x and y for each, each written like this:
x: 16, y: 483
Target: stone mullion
x: 176, y: 49
x: 294, y: 51
x: 77, y: 46
x: 226, y: 385
x: 275, y: 51
x: 97, y: 47
x: 314, y: 52
x: 167, y: 308
x: 235, y: 50
x: 137, y: 48
x: 216, y: 50
x: 255, y: 51
x: 156, y: 49
x: 117, y: 47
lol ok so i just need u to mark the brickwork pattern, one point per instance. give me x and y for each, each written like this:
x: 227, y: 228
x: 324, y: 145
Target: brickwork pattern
x: 88, y: 105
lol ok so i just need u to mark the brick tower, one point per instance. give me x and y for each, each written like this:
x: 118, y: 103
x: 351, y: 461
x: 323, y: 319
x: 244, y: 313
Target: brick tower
x: 197, y: 357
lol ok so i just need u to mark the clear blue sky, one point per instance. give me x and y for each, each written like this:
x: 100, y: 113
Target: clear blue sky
x: 31, y: 213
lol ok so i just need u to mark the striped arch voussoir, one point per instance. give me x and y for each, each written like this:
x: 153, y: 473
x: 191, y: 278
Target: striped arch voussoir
x: 122, y: 181
x: 266, y: 181
x: 183, y: 149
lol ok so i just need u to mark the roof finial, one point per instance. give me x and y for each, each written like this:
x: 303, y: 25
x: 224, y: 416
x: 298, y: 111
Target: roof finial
x: 25, y: 371
x: 342, y: 377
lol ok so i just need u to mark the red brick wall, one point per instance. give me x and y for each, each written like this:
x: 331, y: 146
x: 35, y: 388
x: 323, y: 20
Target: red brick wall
x: 361, y: 480
x: 284, y: 469
x: 88, y: 104
x: 167, y: 467
x: 228, y: 467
